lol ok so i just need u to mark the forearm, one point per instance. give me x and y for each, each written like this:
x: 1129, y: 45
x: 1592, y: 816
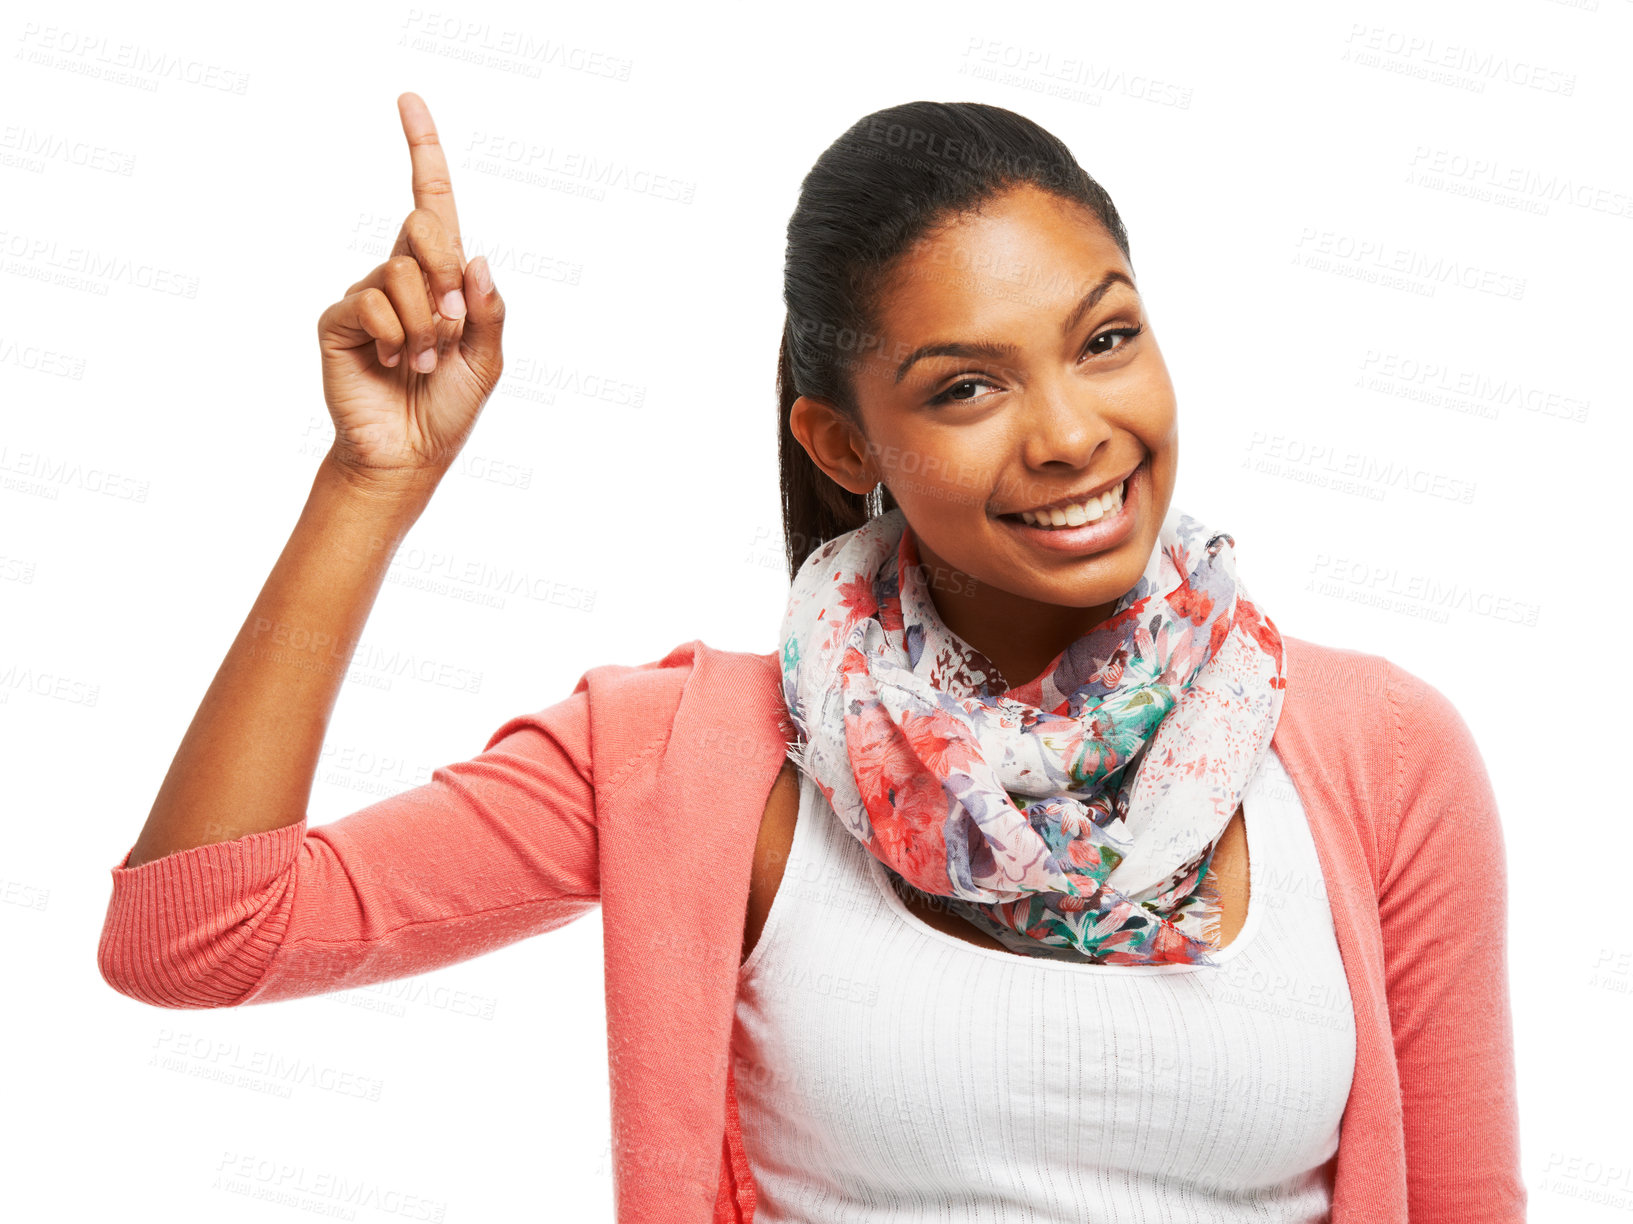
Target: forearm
x: 248, y: 758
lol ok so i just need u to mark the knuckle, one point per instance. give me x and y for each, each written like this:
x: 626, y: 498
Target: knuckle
x: 431, y: 238
x: 380, y: 311
x: 422, y: 223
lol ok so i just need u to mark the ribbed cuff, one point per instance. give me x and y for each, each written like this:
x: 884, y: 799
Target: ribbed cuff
x: 198, y: 928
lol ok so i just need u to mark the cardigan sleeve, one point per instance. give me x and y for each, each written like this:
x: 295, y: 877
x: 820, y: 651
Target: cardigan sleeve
x: 489, y: 851
x: 1443, y: 904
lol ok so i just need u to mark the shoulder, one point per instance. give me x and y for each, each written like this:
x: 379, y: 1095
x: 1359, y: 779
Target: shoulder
x: 1394, y: 748
x: 697, y: 708
x: 690, y: 672
x: 1355, y: 694
x: 1340, y: 682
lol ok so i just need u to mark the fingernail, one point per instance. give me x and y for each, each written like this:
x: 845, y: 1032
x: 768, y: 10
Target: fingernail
x: 426, y: 361
x: 453, y: 304
x: 394, y: 358
x: 484, y: 277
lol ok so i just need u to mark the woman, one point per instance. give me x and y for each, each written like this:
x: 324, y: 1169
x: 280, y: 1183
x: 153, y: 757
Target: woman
x: 995, y: 949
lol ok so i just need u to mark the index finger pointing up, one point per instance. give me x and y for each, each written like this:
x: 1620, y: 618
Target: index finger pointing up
x: 432, y: 187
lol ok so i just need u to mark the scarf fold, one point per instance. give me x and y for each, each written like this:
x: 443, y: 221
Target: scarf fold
x: 1074, y: 817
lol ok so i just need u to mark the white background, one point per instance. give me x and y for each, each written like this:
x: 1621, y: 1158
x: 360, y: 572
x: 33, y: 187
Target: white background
x: 157, y: 447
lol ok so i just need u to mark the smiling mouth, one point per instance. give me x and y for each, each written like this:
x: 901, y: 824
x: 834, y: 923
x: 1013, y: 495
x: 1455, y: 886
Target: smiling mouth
x: 1079, y: 514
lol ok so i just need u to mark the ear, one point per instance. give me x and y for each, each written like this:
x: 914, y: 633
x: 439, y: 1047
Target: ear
x: 834, y: 443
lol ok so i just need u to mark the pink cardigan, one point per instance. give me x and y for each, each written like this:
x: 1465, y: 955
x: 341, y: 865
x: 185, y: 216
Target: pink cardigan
x: 557, y: 815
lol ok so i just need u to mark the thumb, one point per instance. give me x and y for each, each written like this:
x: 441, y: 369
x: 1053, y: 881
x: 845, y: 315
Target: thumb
x: 484, y: 321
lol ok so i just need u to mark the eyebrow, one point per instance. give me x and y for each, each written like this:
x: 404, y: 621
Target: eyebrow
x: 1003, y: 352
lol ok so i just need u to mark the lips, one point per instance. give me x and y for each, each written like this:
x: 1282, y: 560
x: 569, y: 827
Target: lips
x: 1077, y: 514
x: 1061, y: 503
x: 1108, y: 531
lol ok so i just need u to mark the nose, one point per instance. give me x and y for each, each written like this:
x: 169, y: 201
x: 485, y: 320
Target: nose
x: 1064, y: 426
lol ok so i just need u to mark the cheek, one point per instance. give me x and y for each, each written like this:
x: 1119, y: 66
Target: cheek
x: 939, y: 474
x: 1162, y: 406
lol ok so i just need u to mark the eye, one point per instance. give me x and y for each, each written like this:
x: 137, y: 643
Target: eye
x: 1128, y: 333
x: 963, y: 391
x: 955, y: 393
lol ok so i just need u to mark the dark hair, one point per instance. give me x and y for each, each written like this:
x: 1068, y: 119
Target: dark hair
x: 891, y: 178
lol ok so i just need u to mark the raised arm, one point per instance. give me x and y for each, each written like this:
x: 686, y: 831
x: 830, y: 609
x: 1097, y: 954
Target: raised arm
x: 248, y: 758
x: 226, y: 894
x: 1443, y: 905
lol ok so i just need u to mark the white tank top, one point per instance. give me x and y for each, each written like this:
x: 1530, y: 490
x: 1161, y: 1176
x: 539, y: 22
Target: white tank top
x: 888, y: 1071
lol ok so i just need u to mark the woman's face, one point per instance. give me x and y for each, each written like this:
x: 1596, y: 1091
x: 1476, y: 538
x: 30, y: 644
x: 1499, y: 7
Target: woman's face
x: 1015, y: 367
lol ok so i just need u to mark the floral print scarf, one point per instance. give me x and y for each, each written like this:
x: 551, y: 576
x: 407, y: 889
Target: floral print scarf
x: 1074, y: 817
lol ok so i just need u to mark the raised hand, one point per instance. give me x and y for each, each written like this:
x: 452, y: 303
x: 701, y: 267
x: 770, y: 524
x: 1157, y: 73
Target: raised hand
x: 412, y: 352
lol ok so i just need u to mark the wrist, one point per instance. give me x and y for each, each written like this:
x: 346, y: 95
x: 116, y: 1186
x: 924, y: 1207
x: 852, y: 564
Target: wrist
x: 365, y: 515
x: 392, y: 491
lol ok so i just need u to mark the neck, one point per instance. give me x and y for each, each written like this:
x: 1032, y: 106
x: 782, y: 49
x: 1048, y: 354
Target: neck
x: 1019, y: 636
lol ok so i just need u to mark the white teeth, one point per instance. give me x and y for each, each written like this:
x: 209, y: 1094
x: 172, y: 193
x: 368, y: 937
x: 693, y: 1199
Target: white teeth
x: 1075, y: 516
